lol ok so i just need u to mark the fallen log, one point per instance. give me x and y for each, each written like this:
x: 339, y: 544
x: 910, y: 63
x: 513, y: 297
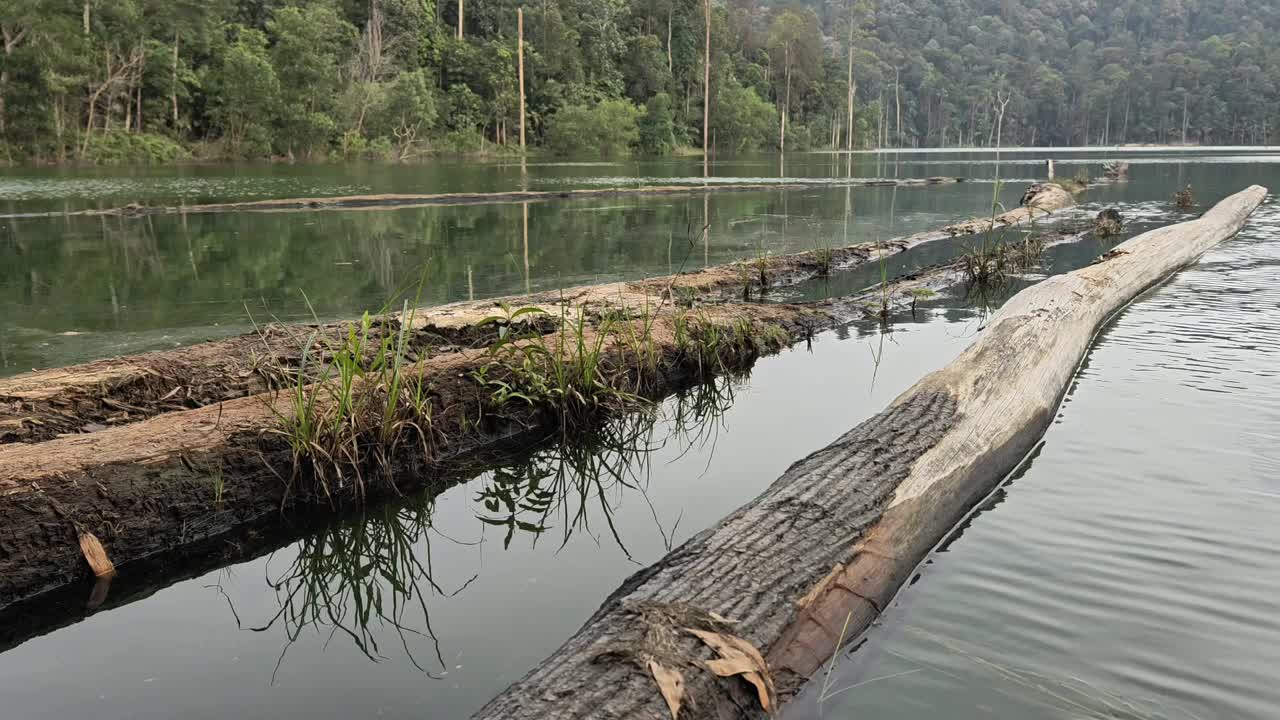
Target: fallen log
x: 153, y: 483
x: 44, y: 404
x: 735, y: 620
x: 403, y: 200
x: 183, y: 477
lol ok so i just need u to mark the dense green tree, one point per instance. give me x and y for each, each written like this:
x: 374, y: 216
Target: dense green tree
x: 657, y: 127
x: 831, y: 73
x: 607, y: 128
x: 309, y: 45
x: 247, y: 93
x: 741, y: 119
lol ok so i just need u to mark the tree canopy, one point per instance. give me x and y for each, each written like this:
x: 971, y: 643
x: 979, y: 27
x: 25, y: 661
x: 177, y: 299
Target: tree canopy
x: 400, y: 78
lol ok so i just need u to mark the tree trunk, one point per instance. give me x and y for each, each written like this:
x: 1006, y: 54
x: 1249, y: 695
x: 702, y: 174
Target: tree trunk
x: 12, y: 39
x: 810, y: 564
x: 1124, y: 132
x: 1106, y: 130
x: 786, y: 100
x: 880, y: 119
x: 142, y: 71
x: 852, y: 89
x: 706, y: 90
x: 670, y: 11
x: 173, y: 82
x: 4, y: 84
x: 85, y: 17
x: 897, y: 101
x: 461, y: 10
x: 1185, y: 99
x: 520, y: 55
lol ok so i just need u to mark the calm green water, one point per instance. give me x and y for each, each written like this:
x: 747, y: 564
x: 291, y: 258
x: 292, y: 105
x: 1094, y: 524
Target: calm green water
x: 73, y: 289
x: 1133, y: 555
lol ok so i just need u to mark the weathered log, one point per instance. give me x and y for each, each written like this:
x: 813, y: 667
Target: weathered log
x: 144, y: 485
x: 405, y: 200
x: 184, y: 477
x: 44, y: 404
x: 812, y: 561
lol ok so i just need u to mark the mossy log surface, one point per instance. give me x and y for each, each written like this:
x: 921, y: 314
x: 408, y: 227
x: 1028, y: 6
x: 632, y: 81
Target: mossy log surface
x: 815, y: 559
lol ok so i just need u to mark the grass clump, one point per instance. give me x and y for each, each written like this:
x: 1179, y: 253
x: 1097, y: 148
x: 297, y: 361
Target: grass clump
x: 825, y: 259
x: 708, y: 348
x: 994, y: 262
x: 565, y: 373
x: 918, y: 294
x: 350, y: 413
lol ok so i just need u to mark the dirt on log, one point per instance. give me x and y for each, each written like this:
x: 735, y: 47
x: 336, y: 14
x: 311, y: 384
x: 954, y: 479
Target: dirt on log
x: 734, y: 621
x: 45, y: 404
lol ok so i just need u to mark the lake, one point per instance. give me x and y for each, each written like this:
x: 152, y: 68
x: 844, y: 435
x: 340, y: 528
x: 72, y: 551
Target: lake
x: 1124, y: 571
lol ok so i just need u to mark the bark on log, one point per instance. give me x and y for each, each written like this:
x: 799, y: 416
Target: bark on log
x: 832, y: 540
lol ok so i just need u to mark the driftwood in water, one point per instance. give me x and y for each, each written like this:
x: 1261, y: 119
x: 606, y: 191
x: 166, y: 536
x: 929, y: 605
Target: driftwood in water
x: 816, y: 558
x: 143, y: 479
x: 401, y: 200
x: 43, y: 404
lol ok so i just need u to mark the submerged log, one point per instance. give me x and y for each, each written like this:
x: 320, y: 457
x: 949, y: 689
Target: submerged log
x: 402, y: 200
x: 808, y: 565
x: 153, y: 478
x: 44, y: 404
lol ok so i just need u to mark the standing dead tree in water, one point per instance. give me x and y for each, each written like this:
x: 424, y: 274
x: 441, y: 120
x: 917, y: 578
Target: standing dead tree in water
x: 734, y: 621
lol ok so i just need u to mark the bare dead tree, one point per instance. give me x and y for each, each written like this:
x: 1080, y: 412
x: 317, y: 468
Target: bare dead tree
x: 119, y: 70
x: 12, y: 35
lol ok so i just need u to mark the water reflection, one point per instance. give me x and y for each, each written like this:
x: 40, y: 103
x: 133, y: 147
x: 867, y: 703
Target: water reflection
x: 370, y: 579
x: 357, y: 577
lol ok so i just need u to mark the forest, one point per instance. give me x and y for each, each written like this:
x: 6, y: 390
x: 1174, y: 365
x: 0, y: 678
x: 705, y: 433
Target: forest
x: 164, y: 80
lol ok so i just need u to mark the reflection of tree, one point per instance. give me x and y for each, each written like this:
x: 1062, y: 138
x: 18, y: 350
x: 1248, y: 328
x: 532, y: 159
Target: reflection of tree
x: 580, y: 480
x: 176, y: 271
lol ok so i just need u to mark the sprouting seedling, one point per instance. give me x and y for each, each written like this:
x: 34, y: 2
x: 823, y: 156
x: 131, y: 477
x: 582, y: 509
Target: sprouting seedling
x: 918, y: 294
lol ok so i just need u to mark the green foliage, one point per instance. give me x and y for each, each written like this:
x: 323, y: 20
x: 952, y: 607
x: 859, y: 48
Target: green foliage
x: 741, y: 119
x: 646, y: 68
x: 657, y: 127
x: 608, y: 128
x: 133, y: 148
x: 353, y: 406
x: 308, y: 47
x: 255, y: 78
x: 404, y: 111
x: 247, y: 93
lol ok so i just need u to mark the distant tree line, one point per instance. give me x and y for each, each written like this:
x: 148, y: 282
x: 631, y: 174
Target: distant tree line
x: 161, y: 79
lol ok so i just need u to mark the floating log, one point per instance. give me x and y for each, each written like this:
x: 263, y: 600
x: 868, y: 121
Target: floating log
x: 44, y: 404
x: 809, y: 564
x: 387, y: 201
x: 145, y: 484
